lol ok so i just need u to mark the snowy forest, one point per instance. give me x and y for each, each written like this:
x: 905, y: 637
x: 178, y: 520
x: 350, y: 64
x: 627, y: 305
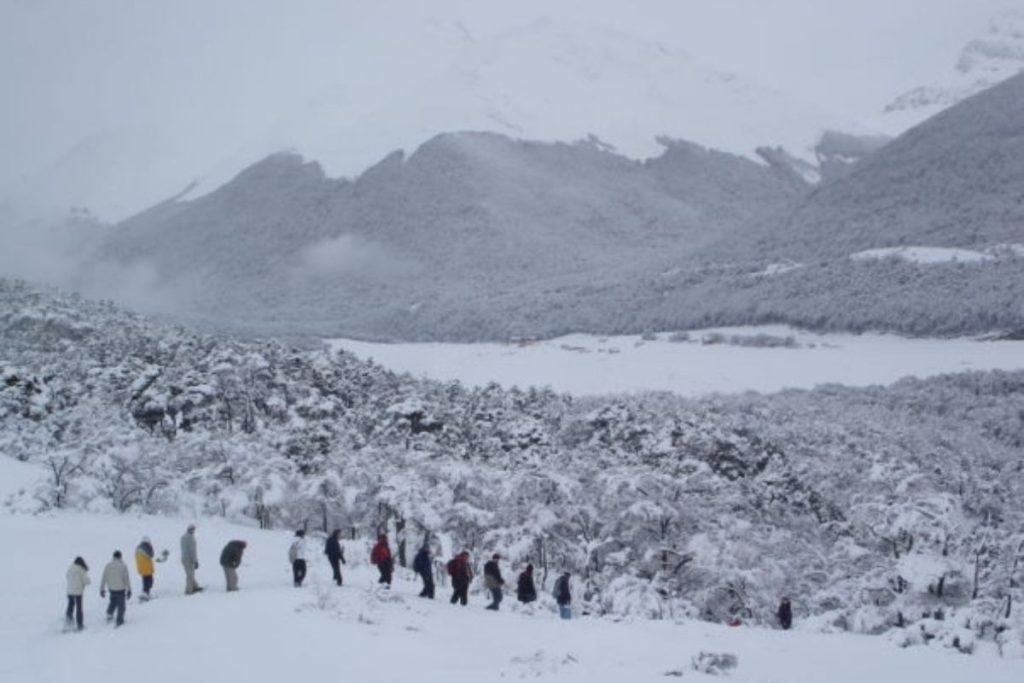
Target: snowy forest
x: 895, y: 510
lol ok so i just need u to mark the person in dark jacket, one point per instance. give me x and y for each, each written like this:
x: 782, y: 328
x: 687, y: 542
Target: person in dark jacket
x: 230, y: 559
x: 335, y: 554
x: 423, y: 565
x: 381, y: 556
x: 526, y: 591
x: 494, y: 581
x: 785, y: 614
x: 462, y: 574
x: 563, y: 596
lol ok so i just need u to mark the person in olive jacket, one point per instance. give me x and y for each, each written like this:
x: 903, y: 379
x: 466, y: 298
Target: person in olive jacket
x: 230, y: 559
x: 493, y: 580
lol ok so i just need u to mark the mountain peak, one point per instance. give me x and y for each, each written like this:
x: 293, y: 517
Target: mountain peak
x: 983, y: 62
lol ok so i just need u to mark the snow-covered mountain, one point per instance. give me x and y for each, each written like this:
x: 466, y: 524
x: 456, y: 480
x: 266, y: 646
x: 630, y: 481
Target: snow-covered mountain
x: 991, y: 58
x: 953, y: 181
x: 545, y: 80
x: 481, y: 237
x: 465, y: 220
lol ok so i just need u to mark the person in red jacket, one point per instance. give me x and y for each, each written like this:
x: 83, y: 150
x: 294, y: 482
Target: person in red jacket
x: 381, y: 556
x: 461, y: 573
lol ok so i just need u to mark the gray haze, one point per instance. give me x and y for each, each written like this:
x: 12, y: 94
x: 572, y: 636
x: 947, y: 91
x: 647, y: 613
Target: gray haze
x: 198, y: 79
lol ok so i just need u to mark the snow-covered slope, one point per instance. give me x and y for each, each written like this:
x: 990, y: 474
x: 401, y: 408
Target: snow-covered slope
x: 270, y: 632
x: 991, y: 58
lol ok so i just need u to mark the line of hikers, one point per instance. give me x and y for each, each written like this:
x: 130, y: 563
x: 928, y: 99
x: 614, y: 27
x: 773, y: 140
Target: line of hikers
x: 116, y: 579
x: 461, y: 572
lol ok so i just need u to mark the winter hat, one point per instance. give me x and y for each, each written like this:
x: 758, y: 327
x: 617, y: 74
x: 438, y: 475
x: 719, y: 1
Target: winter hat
x: 117, y: 554
x: 495, y: 556
x: 191, y: 527
x: 300, y: 533
x: 145, y: 539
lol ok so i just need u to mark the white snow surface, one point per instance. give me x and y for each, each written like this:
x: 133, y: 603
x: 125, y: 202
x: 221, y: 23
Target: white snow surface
x: 271, y: 632
x: 588, y: 365
x: 926, y: 255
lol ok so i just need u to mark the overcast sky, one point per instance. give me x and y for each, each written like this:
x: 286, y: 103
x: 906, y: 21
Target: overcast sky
x: 206, y: 69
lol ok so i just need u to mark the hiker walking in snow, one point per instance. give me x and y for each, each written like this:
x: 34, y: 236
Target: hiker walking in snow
x: 424, y: 566
x: 381, y: 556
x: 116, y: 580
x: 563, y: 596
x: 78, y: 579
x: 462, y: 574
x: 785, y: 614
x: 144, y: 563
x: 526, y: 591
x: 190, y: 560
x: 230, y: 559
x: 494, y: 581
x: 335, y: 553
x: 297, y: 556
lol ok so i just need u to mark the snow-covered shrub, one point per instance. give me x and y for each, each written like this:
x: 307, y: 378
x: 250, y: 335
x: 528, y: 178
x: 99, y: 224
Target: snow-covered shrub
x: 869, y: 508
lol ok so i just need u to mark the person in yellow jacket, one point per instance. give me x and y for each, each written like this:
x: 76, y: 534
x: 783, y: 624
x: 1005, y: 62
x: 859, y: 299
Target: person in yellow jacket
x: 144, y: 562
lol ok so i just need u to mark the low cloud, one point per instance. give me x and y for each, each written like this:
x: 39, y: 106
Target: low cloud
x: 348, y: 255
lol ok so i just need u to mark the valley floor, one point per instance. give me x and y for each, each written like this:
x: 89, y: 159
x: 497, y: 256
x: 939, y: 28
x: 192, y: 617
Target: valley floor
x: 270, y: 631
x: 588, y: 365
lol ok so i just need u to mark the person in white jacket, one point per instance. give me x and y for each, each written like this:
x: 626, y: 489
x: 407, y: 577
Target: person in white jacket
x: 190, y: 560
x: 297, y: 556
x: 118, y: 581
x: 78, y: 579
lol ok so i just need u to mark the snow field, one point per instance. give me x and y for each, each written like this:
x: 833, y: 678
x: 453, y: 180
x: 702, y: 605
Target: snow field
x: 270, y: 631
x: 588, y: 365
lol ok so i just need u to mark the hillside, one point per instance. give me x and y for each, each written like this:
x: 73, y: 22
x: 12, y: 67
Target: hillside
x: 953, y: 181
x: 479, y: 237
x: 464, y: 221
x: 871, y: 506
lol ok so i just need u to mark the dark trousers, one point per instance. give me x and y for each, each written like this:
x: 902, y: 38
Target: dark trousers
x: 147, y: 584
x: 385, y: 568
x: 117, y: 604
x: 496, y: 597
x: 336, y: 568
x: 75, y: 610
x: 298, y: 571
x: 428, y: 585
x: 460, y: 591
